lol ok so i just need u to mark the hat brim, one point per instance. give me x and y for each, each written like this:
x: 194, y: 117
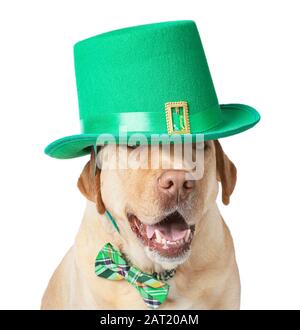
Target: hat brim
x: 236, y: 118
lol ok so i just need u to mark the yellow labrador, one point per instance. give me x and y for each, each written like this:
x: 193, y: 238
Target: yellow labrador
x: 166, y: 221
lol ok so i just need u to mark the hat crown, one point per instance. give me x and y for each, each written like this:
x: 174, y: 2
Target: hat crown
x: 139, y: 70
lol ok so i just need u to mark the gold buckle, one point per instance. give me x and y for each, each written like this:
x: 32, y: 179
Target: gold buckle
x: 177, y: 117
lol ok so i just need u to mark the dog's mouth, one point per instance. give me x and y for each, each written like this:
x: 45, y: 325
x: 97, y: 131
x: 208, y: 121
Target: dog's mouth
x: 170, y: 237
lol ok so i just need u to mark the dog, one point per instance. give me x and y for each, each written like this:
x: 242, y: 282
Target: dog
x: 150, y: 205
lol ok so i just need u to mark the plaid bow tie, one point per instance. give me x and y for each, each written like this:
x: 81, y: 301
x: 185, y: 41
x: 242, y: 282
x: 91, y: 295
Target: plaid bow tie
x: 111, y: 264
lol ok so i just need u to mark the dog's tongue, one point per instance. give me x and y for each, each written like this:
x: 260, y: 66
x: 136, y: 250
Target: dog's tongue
x: 171, y: 232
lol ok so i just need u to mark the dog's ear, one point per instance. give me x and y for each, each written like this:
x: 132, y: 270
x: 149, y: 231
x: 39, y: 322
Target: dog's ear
x: 89, y: 183
x: 226, y: 172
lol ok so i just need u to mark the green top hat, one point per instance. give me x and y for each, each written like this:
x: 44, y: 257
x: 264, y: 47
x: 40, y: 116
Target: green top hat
x: 150, y: 79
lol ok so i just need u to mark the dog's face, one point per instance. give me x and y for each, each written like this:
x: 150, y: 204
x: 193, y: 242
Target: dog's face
x: 158, y: 209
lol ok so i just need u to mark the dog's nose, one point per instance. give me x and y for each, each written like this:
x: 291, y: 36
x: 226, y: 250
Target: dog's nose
x: 175, y: 183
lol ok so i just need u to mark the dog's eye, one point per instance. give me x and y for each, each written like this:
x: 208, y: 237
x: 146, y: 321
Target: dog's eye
x: 132, y: 147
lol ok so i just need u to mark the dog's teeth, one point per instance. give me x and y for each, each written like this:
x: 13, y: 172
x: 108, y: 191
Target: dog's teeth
x: 163, y: 241
x: 158, y: 237
x: 187, y: 235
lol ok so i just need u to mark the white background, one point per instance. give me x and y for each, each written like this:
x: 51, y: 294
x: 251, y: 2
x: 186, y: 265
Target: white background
x: 253, y: 51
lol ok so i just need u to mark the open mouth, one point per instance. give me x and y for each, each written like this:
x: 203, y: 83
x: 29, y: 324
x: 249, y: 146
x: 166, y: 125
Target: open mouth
x: 170, y: 237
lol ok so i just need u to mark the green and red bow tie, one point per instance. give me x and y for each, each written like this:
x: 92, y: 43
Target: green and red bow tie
x: 111, y: 264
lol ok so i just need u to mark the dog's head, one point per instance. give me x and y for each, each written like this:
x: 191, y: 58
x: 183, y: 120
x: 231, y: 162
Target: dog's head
x: 158, y: 210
